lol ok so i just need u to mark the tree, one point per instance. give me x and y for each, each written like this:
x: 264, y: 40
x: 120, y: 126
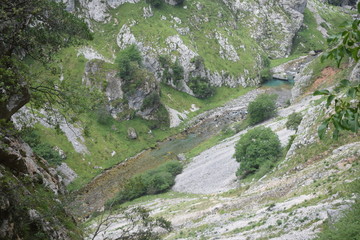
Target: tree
x: 262, y: 108
x: 346, y: 106
x: 201, y: 87
x: 139, y: 224
x: 255, y: 148
x: 32, y: 30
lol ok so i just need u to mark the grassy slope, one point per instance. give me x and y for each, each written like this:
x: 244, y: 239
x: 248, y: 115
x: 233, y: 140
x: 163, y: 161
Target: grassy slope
x: 102, y: 140
x: 153, y: 32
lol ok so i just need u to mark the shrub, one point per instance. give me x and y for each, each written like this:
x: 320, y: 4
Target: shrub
x: 44, y: 150
x: 201, y: 87
x: 151, y: 101
x: 178, y: 71
x: 294, y: 121
x: 124, y: 60
x: 158, y: 182
x: 257, y: 147
x: 262, y: 108
x: 164, y: 61
x: 151, y: 182
x: 266, y: 75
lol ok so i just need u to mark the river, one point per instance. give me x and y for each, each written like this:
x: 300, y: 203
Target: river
x: 93, y: 196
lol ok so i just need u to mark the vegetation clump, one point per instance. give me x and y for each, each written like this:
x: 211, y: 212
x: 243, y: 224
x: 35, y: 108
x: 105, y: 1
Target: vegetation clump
x: 258, y: 147
x: 42, y: 149
x: 294, y: 121
x: 201, y: 87
x: 262, y: 108
x: 172, y: 71
x: 151, y: 182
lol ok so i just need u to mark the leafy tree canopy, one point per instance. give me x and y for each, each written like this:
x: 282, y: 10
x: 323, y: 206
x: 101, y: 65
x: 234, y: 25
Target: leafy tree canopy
x: 262, y: 108
x: 32, y: 30
x: 255, y: 148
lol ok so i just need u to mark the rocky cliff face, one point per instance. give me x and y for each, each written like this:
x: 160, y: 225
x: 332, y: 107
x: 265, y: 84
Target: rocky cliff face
x: 272, y: 23
x: 232, y: 39
x: 30, y: 193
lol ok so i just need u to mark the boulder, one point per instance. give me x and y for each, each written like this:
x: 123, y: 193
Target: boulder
x: 132, y: 133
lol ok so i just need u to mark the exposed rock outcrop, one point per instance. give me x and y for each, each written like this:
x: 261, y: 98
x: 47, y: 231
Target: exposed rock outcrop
x: 132, y: 133
x: 29, y: 195
x: 274, y: 29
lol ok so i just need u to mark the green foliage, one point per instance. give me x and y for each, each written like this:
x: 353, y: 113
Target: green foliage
x: 127, y: 60
x: 347, y: 227
x: 155, y: 3
x: 151, y: 101
x: 103, y: 116
x: 291, y: 140
x: 308, y: 38
x: 22, y: 194
x: 140, y: 226
x: 266, y: 75
x: 294, y: 121
x: 164, y: 61
x: 347, y: 107
x: 151, y: 182
x: 262, y: 108
x: 42, y: 149
x: 198, y: 61
x: 178, y: 71
x: 259, y: 146
x: 37, y: 31
x: 201, y: 87
x: 346, y: 42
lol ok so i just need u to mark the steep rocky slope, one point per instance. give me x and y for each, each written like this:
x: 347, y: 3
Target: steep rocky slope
x: 227, y: 43
x: 31, y: 195
x: 307, y: 189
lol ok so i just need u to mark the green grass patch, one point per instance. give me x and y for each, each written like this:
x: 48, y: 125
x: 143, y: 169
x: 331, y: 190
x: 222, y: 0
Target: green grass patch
x: 308, y: 38
x: 279, y: 61
x: 182, y: 101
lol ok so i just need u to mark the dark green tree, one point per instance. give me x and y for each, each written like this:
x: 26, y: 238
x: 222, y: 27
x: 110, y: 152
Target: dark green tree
x: 255, y: 148
x: 201, y: 87
x: 262, y: 108
x: 32, y: 30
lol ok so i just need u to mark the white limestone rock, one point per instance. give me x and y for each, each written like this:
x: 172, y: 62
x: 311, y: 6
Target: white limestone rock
x: 67, y: 173
x: 148, y: 12
x: 227, y: 51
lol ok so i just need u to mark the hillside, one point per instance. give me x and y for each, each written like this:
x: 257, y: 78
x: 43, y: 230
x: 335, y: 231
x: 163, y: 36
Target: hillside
x: 173, y: 81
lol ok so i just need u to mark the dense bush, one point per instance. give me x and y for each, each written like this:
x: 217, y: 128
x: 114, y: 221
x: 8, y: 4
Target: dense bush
x: 294, y: 121
x: 40, y: 148
x: 266, y: 75
x: 262, y: 108
x: 201, y: 87
x: 151, y: 101
x: 151, y: 182
x: 255, y: 148
x: 124, y: 59
x: 178, y: 71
